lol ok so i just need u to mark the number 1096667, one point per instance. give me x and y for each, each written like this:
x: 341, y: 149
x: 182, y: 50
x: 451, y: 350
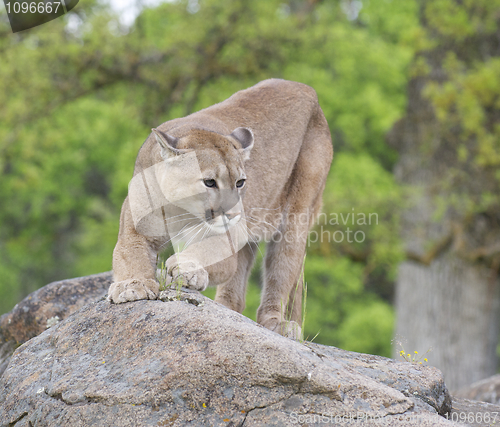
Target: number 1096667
x: 33, y: 7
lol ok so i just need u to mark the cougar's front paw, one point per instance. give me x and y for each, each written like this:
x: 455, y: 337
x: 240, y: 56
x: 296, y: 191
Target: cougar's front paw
x: 133, y: 290
x: 190, y: 273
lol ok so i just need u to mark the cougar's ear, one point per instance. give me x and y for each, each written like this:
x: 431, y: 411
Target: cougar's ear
x: 245, y: 137
x: 168, y: 143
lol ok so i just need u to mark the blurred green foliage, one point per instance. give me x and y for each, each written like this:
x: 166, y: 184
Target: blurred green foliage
x: 80, y: 94
x: 466, y: 100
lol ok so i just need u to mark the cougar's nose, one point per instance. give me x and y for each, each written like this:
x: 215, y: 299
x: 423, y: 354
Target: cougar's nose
x: 209, y: 214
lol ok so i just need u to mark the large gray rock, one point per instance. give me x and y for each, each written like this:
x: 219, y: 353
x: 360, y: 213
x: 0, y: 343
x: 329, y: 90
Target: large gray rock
x: 187, y: 361
x: 486, y: 390
x: 45, y: 307
x: 474, y: 414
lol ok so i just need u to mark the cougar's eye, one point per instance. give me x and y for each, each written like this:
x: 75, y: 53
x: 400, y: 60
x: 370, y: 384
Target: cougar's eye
x: 210, y: 183
x: 240, y: 183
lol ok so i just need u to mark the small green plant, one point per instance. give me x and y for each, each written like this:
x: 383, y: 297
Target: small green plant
x: 301, y: 279
x: 412, y: 357
x: 176, y: 284
x: 304, y: 312
x: 162, y: 276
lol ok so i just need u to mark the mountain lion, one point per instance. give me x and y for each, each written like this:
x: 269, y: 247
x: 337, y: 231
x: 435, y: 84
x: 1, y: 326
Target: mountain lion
x: 215, y: 183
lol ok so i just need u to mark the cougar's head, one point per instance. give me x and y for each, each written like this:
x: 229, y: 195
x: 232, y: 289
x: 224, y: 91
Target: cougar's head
x: 204, y: 174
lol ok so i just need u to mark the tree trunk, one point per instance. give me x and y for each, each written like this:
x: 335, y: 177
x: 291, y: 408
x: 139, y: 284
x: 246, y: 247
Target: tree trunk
x: 447, y: 292
x: 452, y: 308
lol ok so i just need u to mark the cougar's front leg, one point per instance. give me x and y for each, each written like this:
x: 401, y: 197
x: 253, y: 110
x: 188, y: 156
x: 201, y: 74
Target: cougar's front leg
x: 231, y: 292
x: 134, y: 264
x: 210, y: 261
x: 192, y: 270
x: 188, y: 271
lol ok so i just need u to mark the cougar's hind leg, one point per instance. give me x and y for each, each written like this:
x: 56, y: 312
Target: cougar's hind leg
x: 280, y: 307
x: 294, y: 306
x: 281, y: 302
x: 232, y: 293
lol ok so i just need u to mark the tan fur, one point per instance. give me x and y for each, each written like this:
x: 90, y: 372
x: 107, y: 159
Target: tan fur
x: 285, y: 177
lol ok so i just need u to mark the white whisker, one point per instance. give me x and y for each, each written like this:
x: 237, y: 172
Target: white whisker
x: 207, y: 229
x: 193, y: 237
x: 250, y: 239
x: 256, y: 222
x: 177, y: 216
x: 180, y: 220
x: 182, y: 231
x: 266, y: 209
